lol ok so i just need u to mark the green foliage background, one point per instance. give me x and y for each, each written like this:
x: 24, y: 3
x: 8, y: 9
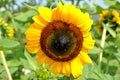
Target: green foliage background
x: 18, y: 58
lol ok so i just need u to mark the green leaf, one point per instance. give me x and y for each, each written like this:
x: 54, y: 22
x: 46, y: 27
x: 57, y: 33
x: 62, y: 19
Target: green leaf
x: 98, y: 9
x: 112, y: 32
x: 110, y: 2
x: 110, y: 49
x: 118, y: 29
x: 91, y: 72
x: 107, y: 77
x: 26, y: 16
x: 1, y: 68
x: 117, y: 55
x: 13, y: 69
x: 86, y: 6
x: 6, y: 44
x: 13, y: 63
x: 31, y: 7
x: 31, y: 60
x: 25, y: 63
x: 117, y: 42
x: 116, y: 6
x: 95, y: 50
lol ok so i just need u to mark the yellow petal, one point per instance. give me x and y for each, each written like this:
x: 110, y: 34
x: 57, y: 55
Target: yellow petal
x: 49, y: 62
x: 118, y: 21
x: 85, y: 58
x: 33, y: 43
x: 66, y: 68
x: 88, y: 42
x: 105, y: 13
x: 86, y: 34
x: 39, y: 20
x: 63, y: 15
x: 37, y: 26
x: 56, y: 12
x: 45, y: 13
x: 115, y: 13
x: 41, y: 59
x: 85, y: 22
x: 67, y: 13
x: 46, y: 59
x: 56, y: 68
x: 32, y: 49
x: 76, y: 67
x: 70, y: 14
x: 33, y: 34
x: 74, y: 15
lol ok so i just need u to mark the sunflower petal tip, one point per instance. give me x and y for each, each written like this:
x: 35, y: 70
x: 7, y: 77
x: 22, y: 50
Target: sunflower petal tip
x: 60, y: 3
x: 33, y: 17
x: 76, y: 75
x: 40, y: 8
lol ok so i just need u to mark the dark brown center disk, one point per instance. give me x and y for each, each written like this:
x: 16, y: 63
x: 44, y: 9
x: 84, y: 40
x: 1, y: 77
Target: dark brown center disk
x: 61, y: 41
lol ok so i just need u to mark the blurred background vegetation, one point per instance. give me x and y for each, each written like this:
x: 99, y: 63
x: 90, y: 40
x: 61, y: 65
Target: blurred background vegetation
x: 16, y: 17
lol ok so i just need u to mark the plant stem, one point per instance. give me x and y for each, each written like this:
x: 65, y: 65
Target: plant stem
x: 5, y: 63
x: 13, y: 21
x: 95, y: 2
x: 72, y: 2
x: 31, y: 7
x: 78, y: 1
x: 102, y: 44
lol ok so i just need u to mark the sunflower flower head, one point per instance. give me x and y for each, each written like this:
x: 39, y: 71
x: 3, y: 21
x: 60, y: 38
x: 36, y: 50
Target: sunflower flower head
x: 61, y: 39
x: 103, y: 15
x: 108, y: 16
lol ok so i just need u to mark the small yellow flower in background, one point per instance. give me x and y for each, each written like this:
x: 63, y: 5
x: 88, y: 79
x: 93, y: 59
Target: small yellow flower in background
x: 104, y: 13
x: 108, y: 16
x: 1, y: 20
x: 61, y: 38
x: 118, y: 21
x: 115, y: 13
x: 10, y: 32
x: 116, y: 16
x: 9, y: 29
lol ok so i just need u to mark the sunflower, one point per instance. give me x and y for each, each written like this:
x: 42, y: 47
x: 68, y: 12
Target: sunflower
x: 103, y: 15
x: 108, y: 16
x: 61, y: 39
x: 111, y: 16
